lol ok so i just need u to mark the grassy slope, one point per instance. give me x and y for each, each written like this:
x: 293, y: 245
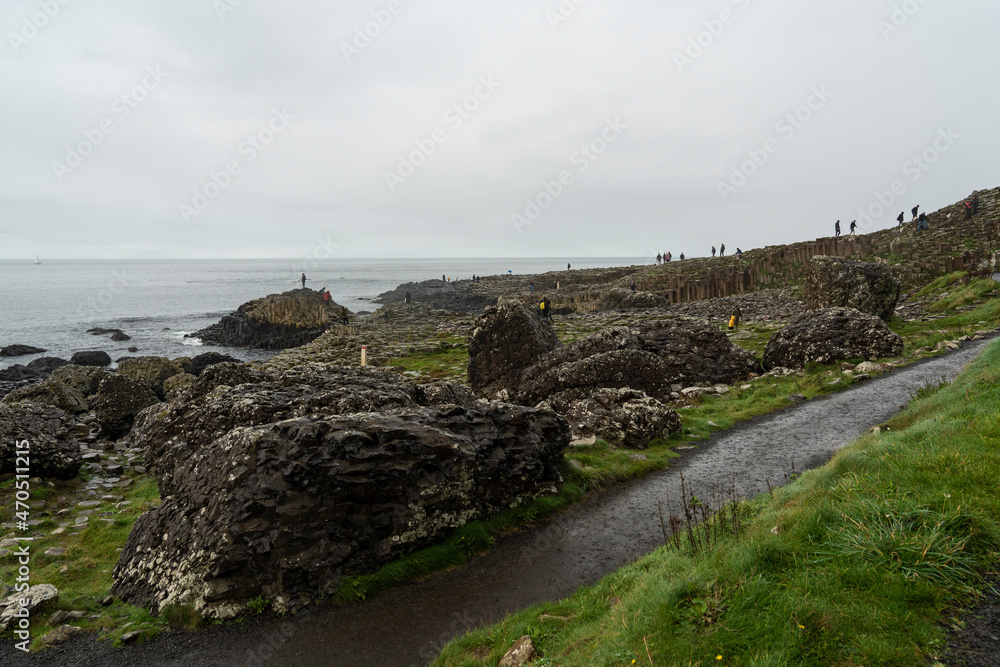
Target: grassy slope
x: 855, y: 563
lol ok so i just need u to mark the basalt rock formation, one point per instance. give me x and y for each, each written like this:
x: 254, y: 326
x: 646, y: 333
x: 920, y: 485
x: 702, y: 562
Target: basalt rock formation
x: 281, y: 488
x: 53, y: 449
x: 119, y: 401
x: 19, y: 350
x: 865, y: 286
x: 149, y: 371
x: 276, y: 322
x: 91, y: 358
x: 829, y: 335
x: 618, y: 298
x: 507, y: 340
x: 196, y: 365
x: 622, y: 417
x: 457, y: 295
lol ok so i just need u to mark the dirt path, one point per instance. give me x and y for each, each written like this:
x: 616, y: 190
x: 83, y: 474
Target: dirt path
x: 408, y: 626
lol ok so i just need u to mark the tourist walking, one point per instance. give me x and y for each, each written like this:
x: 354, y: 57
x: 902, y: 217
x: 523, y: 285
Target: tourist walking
x: 303, y: 281
x: 722, y: 250
x: 408, y: 300
x: 968, y: 209
x: 682, y: 257
x: 568, y: 267
x: 900, y: 218
x: 631, y: 286
x: 326, y: 297
x: 836, y: 228
x: 531, y: 286
x: 659, y: 258
x: 914, y: 211
x: 713, y: 251
x: 669, y: 257
x: 854, y: 226
x: 922, y: 222
x: 343, y: 316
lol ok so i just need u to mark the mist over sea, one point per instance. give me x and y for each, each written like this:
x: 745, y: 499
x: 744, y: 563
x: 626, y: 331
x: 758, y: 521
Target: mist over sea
x: 156, y: 302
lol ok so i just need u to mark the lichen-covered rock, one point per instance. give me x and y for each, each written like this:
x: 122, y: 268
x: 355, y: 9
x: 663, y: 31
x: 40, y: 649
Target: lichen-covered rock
x: 446, y: 393
x: 174, y: 384
x: 30, y: 600
x: 54, y: 450
x: 618, y: 298
x: 85, y: 379
x: 623, y: 417
x: 282, y: 488
x: 508, y: 338
x: 118, y: 401
x: 829, y: 335
x: 837, y: 282
x: 196, y: 365
x: 149, y: 371
x: 91, y: 358
x: 50, y: 392
x: 275, y: 322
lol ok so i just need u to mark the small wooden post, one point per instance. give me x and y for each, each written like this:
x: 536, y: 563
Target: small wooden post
x: 364, y: 355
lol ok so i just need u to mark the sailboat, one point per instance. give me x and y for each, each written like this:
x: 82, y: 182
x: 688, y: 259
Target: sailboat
x: 37, y: 261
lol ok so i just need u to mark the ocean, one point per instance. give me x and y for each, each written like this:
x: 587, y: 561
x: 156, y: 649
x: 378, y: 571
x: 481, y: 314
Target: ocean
x: 156, y: 302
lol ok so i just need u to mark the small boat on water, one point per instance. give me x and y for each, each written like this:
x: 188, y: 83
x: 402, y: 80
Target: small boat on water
x: 37, y: 261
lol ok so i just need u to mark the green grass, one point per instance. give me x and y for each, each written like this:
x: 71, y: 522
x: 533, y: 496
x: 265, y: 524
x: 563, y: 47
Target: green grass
x: 986, y: 315
x: 437, y: 365
x: 854, y: 563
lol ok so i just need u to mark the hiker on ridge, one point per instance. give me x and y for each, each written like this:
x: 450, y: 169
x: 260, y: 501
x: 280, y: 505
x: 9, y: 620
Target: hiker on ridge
x: 713, y: 251
x: 303, y: 281
x: 408, y: 300
x: 900, y: 219
x: 914, y: 211
x: 722, y: 250
x: 975, y: 204
x: 682, y: 256
x: 968, y: 209
x: 836, y: 228
x: 922, y: 222
x: 854, y: 226
x: 659, y: 258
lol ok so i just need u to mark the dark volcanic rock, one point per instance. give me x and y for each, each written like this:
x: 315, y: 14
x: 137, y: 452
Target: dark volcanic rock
x: 92, y: 358
x: 456, y: 295
x: 283, y: 488
x: 276, y: 322
x: 54, y: 451
x: 648, y: 357
x: 85, y: 379
x: 196, y: 365
x: 120, y: 336
x: 19, y: 373
x: 837, y: 282
x: 618, y: 298
x: 507, y: 339
x: 623, y: 417
x: 119, y: 400
x: 50, y: 392
x: 828, y: 335
x: 19, y: 350
x: 45, y: 365
x: 149, y: 371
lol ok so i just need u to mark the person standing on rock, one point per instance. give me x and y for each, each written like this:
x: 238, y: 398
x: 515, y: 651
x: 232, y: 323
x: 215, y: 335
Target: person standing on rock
x: 914, y: 211
x: 739, y: 253
x: 343, y: 316
x: 854, y: 227
x: 682, y: 257
x: 303, y: 281
x: 659, y: 258
x: 722, y: 250
x: 736, y: 315
x: 408, y: 300
x: 922, y: 222
x: 541, y: 309
x: 531, y: 287
x: 713, y: 251
x: 631, y: 286
x: 443, y: 279
x: 326, y: 298
x: 900, y: 218
x: 968, y: 209
x: 836, y: 228
x: 568, y: 267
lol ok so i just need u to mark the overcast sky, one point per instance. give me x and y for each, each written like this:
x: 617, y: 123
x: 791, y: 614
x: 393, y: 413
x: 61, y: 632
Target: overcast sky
x: 246, y: 128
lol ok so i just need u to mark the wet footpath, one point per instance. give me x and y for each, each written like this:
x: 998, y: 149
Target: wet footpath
x: 409, y: 625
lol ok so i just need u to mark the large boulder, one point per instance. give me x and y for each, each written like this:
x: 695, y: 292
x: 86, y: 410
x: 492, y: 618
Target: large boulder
x: 829, y: 335
x: 19, y: 350
x: 275, y: 322
x: 196, y: 365
x: 174, y: 385
x: 118, y: 401
x: 45, y: 365
x: 281, y: 489
x: 623, y: 417
x: 54, y: 450
x: 18, y: 373
x: 50, y: 392
x: 618, y: 298
x: 648, y: 357
x: 91, y: 358
x: 149, y: 371
x: 868, y: 287
x: 508, y: 338
x: 30, y: 601
x: 85, y: 379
